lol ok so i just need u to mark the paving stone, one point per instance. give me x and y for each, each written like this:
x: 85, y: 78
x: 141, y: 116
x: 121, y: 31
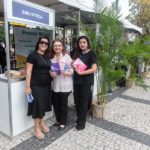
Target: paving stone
x: 126, y: 126
x: 7, y: 144
x: 87, y: 136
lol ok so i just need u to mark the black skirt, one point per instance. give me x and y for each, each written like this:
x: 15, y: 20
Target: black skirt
x: 42, y: 101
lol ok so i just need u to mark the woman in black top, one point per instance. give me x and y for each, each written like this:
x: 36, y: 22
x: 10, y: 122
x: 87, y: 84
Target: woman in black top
x: 38, y: 82
x: 84, y: 80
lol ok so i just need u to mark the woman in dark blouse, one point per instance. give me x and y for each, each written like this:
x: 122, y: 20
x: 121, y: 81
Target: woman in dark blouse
x: 84, y: 80
x: 38, y: 82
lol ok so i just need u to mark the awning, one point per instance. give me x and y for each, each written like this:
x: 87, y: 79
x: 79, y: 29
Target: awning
x: 65, y: 5
x: 62, y: 7
x: 70, y: 8
x: 74, y: 3
x: 89, y: 6
x: 129, y: 25
x: 84, y: 5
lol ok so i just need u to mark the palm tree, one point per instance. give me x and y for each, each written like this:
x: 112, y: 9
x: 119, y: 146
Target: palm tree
x: 106, y: 43
x: 132, y: 55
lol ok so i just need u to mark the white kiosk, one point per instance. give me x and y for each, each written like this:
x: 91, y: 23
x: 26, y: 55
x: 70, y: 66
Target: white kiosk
x: 13, y: 103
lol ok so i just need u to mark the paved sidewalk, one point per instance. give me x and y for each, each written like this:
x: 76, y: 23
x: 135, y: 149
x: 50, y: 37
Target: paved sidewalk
x: 126, y: 126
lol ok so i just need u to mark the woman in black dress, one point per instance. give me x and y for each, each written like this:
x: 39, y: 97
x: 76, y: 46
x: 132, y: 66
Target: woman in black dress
x: 83, y: 80
x: 38, y: 82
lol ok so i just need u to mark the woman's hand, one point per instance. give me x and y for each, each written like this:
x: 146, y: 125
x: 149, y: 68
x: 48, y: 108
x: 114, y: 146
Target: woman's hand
x: 79, y: 72
x: 88, y: 71
x: 27, y: 90
x: 65, y: 73
x: 72, y: 62
x: 53, y: 74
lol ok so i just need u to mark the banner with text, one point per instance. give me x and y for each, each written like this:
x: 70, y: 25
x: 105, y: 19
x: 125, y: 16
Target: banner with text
x: 26, y: 39
x: 28, y: 12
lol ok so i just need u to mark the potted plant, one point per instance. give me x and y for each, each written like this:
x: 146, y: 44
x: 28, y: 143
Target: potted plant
x: 131, y: 55
x: 146, y: 59
x: 146, y: 72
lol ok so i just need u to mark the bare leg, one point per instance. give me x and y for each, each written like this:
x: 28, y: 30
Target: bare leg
x: 37, y: 131
x: 43, y: 125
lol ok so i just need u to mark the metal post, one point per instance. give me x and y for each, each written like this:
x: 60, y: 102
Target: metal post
x: 79, y: 20
x: 8, y: 66
x: 97, y: 29
x: 117, y: 2
x: 64, y: 34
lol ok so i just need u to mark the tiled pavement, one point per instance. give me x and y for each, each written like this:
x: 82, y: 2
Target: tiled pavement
x: 126, y: 126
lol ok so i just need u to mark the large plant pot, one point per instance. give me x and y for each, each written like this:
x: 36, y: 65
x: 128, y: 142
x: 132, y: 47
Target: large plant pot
x: 146, y: 74
x: 130, y: 83
x: 98, y: 110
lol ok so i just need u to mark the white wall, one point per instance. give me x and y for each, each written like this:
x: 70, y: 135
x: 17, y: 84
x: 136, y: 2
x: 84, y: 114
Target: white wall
x: 4, y: 109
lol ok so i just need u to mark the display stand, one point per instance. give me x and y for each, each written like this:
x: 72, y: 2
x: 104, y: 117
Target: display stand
x: 13, y: 108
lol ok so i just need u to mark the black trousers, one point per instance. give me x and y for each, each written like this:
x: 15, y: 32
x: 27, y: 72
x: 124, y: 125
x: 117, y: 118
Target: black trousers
x: 82, y: 99
x: 60, y: 104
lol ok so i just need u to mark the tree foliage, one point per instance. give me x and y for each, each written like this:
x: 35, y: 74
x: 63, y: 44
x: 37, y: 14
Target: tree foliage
x: 140, y: 13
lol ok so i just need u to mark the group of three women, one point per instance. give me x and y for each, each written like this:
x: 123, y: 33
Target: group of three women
x: 39, y: 76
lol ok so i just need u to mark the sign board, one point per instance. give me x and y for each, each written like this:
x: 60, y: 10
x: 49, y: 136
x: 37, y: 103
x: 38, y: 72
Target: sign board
x: 26, y: 39
x: 25, y: 11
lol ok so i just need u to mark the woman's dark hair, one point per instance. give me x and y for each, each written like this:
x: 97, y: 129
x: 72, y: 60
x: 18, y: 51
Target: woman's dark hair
x: 52, y: 53
x: 46, y: 54
x: 78, y: 50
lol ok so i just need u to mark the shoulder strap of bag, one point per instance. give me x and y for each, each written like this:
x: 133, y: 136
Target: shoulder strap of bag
x: 43, y: 60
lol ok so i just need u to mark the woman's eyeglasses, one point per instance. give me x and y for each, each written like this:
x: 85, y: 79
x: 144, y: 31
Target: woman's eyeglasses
x: 42, y: 43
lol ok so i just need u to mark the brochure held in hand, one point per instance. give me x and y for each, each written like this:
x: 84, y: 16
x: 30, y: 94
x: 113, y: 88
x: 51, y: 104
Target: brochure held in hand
x: 30, y: 98
x: 78, y: 64
x: 55, y: 67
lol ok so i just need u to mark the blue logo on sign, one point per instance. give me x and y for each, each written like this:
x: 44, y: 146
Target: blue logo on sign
x: 29, y: 13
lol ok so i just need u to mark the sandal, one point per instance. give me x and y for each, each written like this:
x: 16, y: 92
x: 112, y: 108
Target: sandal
x: 61, y: 127
x: 39, y: 136
x: 45, y: 130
